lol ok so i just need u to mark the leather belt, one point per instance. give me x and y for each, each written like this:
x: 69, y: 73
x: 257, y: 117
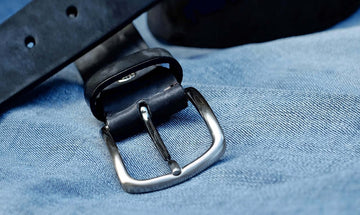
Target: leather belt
x: 45, y: 36
x: 128, y: 86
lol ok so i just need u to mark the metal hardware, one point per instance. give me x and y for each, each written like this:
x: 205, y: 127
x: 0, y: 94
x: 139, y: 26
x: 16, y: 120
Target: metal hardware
x: 155, y: 136
x: 178, y: 174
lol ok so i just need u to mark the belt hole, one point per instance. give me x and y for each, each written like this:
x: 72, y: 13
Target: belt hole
x: 30, y: 42
x: 72, y: 12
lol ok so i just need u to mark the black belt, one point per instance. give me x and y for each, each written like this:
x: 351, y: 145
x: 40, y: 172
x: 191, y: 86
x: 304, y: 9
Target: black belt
x: 45, y: 36
x: 128, y: 86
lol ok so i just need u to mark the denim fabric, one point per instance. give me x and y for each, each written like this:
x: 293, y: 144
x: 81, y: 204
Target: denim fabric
x: 290, y: 110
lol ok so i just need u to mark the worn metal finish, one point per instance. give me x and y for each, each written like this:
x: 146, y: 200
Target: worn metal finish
x: 156, y: 138
x: 213, y: 154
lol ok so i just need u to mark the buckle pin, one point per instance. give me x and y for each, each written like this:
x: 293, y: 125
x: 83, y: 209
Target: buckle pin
x: 156, y: 138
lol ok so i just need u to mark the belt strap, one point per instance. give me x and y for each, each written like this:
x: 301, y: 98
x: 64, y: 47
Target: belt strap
x: 45, y: 36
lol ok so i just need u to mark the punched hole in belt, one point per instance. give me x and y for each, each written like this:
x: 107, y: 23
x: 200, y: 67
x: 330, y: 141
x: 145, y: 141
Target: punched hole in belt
x: 72, y: 12
x: 30, y: 42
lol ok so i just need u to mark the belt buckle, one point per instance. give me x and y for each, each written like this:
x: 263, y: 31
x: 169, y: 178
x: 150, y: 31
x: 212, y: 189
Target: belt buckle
x: 177, y: 174
x: 127, y: 87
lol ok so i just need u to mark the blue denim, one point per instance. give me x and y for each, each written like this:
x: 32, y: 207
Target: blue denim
x: 290, y: 110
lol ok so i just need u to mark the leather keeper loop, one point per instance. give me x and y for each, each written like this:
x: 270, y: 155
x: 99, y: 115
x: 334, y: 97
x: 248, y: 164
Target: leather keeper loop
x: 124, y: 67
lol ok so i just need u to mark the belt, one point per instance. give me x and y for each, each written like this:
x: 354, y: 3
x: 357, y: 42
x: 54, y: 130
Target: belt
x: 127, y: 85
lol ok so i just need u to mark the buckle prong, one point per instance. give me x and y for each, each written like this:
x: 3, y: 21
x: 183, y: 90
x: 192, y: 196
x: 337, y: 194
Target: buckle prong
x: 156, y: 138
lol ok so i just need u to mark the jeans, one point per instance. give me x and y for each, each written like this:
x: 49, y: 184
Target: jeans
x: 289, y: 108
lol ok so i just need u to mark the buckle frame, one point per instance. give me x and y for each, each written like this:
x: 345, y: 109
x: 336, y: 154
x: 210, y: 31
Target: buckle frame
x: 212, y: 155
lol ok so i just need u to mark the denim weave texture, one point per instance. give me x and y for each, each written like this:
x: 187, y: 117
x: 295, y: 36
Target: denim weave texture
x: 289, y: 108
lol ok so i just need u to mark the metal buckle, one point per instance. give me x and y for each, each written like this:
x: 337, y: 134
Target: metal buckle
x: 178, y: 174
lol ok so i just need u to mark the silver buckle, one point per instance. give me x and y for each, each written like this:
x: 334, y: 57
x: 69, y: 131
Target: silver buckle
x: 178, y: 174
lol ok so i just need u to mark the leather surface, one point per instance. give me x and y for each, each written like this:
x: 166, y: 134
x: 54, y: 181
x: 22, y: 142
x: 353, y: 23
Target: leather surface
x: 59, y: 38
x: 148, y: 82
x: 123, y: 67
x: 158, y: 89
x: 151, y: 84
x: 125, y: 42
